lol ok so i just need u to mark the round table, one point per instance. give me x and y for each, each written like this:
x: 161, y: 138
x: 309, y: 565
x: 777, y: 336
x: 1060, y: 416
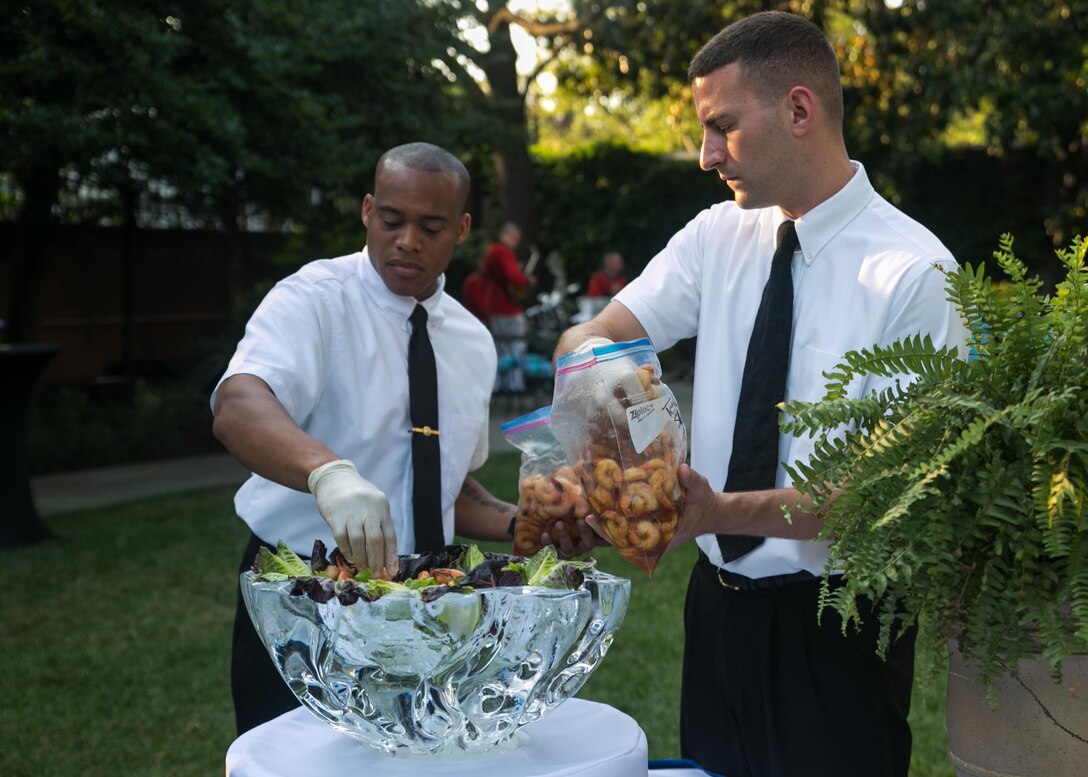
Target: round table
x: 577, y: 738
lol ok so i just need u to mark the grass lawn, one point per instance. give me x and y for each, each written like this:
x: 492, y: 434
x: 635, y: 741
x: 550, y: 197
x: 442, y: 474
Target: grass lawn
x: 116, y: 643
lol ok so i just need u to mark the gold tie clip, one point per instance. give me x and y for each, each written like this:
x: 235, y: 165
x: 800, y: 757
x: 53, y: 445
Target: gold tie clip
x: 426, y: 431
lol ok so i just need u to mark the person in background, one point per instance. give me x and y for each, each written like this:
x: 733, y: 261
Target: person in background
x: 505, y: 289
x: 768, y: 689
x: 474, y: 295
x: 609, y: 279
x: 317, y: 402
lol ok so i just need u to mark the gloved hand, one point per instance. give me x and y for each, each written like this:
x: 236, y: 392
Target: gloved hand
x: 592, y: 342
x: 358, y: 513
x: 614, y: 375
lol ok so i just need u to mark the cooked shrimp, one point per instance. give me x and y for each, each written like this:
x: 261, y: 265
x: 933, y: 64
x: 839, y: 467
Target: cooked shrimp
x: 556, y: 498
x: 664, y: 481
x: 639, y: 499
x: 645, y: 535
x: 607, y: 473
x: 601, y: 500
x: 615, y: 526
x: 442, y: 575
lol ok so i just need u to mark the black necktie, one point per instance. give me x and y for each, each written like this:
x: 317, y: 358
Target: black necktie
x: 754, y: 460
x: 426, y: 460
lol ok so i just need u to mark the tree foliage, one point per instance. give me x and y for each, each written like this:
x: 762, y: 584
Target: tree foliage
x: 608, y: 197
x: 1015, y: 71
x: 270, y: 114
x: 264, y: 101
x: 233, y: 115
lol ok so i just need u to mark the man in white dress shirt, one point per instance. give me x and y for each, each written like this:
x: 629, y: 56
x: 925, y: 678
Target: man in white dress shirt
x: 315, y: 401
x: 766, y: 690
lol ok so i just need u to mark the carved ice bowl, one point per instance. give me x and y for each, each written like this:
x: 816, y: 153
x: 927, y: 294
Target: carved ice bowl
x: 457, y: 676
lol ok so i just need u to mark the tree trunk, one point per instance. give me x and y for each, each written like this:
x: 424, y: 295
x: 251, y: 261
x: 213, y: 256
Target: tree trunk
x: 513, y: 165
x: 518, y: 190
x: 128, y: 261
x: 236, y: 271
x: 39, y: 188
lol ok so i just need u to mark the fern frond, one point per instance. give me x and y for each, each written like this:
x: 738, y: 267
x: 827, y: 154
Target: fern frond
x: 918, y: 490
x: 971, y: 436
x: 912, y: 358
x: 962, y: 490
x: 809, y: 418
x: 1078, y: 587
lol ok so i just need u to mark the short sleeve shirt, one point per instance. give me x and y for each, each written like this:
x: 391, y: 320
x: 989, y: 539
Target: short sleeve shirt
x: 500, y: 267
x: 331, y: 341
x: 865, y: 274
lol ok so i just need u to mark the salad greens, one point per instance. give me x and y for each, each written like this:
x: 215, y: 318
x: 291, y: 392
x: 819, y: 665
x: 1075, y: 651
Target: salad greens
x: 545, y: 569
x: 455, y: 569
x: 282, y: 564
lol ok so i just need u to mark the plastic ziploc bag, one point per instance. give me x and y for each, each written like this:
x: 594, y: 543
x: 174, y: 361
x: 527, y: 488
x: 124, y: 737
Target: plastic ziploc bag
x: 621, y: 428
x: 548, y: 489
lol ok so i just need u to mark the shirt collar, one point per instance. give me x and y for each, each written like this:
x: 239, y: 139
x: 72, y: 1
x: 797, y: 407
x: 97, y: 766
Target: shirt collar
x: 396, y: 307
x: 820, y: 225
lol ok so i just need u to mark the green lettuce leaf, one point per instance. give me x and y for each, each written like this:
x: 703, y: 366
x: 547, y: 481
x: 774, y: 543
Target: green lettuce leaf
x: 295, y: 565
x: 472, y: 558
x: 380, y: 587
x: 414, y: 585
x: 282, y: 564
x: 268, y: 563
x: 540, y: 565
x: 546, y: 570
x: 565, y: 574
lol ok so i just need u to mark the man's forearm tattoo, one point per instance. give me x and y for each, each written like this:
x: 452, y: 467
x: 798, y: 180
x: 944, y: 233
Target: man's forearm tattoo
x: 481, y: 497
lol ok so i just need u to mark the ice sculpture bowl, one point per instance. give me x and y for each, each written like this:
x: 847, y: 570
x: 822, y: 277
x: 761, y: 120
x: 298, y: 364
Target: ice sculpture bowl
x: 454, y: 677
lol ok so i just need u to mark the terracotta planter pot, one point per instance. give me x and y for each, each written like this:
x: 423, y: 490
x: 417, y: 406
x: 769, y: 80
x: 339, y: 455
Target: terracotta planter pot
x: 1038, y: 729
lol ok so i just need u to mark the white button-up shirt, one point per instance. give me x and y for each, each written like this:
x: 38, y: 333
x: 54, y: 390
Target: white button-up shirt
x: 865, y: 274
x: 331, y: 341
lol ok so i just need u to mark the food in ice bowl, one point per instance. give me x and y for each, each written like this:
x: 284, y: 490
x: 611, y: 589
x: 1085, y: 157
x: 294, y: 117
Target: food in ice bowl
x: 454, y: 655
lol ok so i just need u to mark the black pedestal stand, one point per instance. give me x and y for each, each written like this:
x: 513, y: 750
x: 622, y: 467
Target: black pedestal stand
x: 20, y: 366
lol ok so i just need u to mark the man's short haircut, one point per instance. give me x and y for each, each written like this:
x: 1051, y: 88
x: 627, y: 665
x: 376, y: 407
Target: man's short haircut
x: 776, y: 51
x: 427, y: 158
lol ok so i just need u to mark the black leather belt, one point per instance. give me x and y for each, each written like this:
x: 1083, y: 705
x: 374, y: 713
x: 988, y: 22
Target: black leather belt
x: 735, y: 582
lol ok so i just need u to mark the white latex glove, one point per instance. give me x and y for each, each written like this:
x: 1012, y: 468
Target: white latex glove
x: 592, y: 342
x: 358, y: 513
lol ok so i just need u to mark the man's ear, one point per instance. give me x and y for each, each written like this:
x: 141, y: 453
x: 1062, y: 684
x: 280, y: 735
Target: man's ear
x: 802, y: 106
x: 463, y: 226
x: 368, y: 204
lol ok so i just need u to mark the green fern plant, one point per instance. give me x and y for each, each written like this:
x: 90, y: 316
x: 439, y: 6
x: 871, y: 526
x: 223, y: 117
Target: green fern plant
x: 962, y: 490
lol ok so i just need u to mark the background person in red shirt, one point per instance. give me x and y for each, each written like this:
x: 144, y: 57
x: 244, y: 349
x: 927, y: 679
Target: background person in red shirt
x: 474, y: 294
x: 505, y: 290
x: 609, y: 279
x: 506, y: 283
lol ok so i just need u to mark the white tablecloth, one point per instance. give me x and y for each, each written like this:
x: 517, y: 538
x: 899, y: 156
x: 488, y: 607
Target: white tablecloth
x: 578, y: 738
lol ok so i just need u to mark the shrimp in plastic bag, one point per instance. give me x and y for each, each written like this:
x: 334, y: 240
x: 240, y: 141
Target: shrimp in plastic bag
x: 622, y: 430
x: 548, y: 488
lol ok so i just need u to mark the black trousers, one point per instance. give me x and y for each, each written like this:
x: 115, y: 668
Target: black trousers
x: 769, y: 692
x: 258, y: 690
